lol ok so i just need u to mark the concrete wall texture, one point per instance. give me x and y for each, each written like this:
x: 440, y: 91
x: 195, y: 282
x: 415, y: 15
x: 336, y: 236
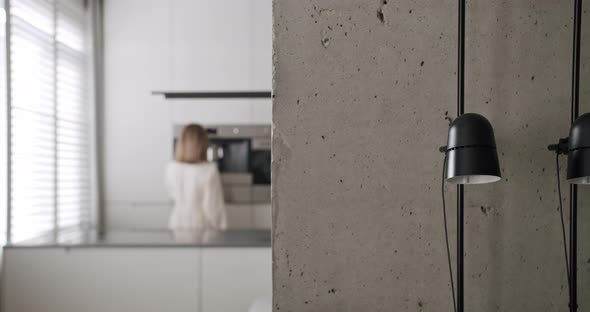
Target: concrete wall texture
x: 363, y: 95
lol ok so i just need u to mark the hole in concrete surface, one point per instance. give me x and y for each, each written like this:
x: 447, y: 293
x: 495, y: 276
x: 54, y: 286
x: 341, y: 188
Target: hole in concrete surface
x: 380, y: 16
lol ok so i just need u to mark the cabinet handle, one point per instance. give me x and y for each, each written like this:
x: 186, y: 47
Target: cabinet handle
x: 215, y: 95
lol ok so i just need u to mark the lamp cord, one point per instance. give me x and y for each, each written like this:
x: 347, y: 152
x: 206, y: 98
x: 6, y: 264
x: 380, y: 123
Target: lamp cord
x: 567, y: 269
x: 447, y: 234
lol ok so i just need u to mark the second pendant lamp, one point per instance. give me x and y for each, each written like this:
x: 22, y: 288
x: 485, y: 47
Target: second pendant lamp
x: 578, y: 151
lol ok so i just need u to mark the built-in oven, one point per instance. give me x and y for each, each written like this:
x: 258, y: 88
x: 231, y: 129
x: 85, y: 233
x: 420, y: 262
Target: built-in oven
x: 242, y: 154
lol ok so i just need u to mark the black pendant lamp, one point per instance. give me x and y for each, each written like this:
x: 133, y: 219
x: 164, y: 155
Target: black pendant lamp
x: 470, y: 158
x: 471, y: 151
x: 578, y: 154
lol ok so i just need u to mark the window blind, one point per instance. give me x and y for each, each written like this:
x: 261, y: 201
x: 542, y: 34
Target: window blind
x: 3, y: 128
x: 49, y: 140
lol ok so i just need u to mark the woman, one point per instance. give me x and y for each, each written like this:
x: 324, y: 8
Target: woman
x: 194, y: 185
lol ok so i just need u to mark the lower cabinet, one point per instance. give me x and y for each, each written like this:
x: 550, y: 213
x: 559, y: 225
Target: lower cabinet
x: 98, y: 279
x: 229, y: 286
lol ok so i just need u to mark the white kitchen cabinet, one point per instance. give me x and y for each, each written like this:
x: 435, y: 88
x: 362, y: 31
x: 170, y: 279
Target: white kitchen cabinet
x: 221, y: 46
x: 262, y: 216
x: 239, y: 216
x: 250, y: 216
x: 262, y: 45
x: 101, y: 279
x: 262, y: 111
x: 136, y: 131
x: 98, y: 279
x: 234, y: 277
x: 212, y: 46
x: 211, y: 112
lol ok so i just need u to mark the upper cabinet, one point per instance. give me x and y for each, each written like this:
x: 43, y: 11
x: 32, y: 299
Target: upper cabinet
x: 262, y: 44
x: 221, y: 45
x: 136, y: 135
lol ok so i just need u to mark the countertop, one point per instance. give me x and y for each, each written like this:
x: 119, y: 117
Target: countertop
x: 147, y: 239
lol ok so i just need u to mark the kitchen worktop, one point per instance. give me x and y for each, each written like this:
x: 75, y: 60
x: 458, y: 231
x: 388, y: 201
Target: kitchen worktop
x: 148, y: 238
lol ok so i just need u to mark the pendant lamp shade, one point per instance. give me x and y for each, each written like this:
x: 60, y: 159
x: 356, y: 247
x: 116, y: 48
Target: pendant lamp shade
x: 578, y: 156
x: 471, y: 151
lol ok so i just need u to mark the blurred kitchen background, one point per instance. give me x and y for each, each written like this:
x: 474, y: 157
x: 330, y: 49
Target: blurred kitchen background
x: 180, y: 45
x: 92, y: 95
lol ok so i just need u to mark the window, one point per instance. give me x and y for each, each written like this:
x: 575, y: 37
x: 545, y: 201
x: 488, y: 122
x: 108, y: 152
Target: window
x: 3, y: 122
x: 49, y: 139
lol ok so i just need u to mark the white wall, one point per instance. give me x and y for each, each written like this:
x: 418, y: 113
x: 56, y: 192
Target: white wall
x: 178, y: 45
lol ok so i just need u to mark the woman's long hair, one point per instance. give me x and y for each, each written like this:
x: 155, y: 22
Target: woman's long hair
x: 191, y: 146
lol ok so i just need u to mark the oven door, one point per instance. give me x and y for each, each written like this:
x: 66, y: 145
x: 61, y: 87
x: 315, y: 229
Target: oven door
x: 232, y: 156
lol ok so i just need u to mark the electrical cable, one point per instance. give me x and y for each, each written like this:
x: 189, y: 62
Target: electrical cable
x: 567, y: 269
x: 447, y: 234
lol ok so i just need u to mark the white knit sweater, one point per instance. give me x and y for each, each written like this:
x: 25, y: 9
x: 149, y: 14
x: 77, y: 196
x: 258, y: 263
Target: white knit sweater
x: 197, y: 195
